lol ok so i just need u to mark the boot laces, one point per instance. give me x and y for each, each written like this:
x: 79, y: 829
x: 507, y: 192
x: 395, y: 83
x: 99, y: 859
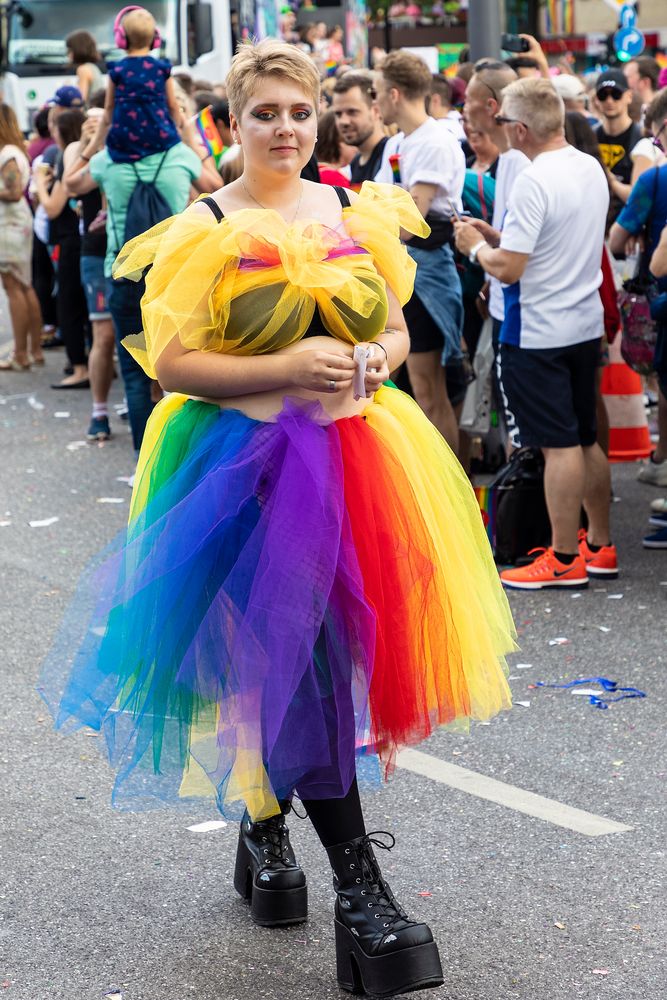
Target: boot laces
x: 275, y: 835
x: 382, y: 901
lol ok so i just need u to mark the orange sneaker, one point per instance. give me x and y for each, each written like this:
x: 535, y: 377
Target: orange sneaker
x: 546, y: 572
x: 602, y: 564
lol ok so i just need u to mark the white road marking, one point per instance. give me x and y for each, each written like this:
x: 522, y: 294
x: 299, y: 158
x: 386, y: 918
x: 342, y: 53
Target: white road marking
x: 508, y: 795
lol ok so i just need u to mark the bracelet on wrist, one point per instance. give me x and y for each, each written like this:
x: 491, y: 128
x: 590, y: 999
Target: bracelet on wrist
x: 382, y: 348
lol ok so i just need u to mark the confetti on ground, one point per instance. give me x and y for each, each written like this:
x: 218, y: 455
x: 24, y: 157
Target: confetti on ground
x: 603, y: 628
x: 614, y: 597
x: 641, y: 607
x: 575, y: 597
x: 586, y: 691
x: 75, y: 445
x: 561, y: 927
x: 208, y: 826
x: 524, y: 704
x: 523, y: 666
x: 5, y: 524
x: 35, y: 403
x: 560, y: 641
x: 114, y: 995
x: 425, y: 895
x: 124, y: 479
x: 62, y: 414
x: 600, y: 972
x: 45, y: 523
x: 111, y: 500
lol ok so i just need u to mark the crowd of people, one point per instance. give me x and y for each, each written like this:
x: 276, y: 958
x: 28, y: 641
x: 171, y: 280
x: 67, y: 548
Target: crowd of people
x: 444, y: 139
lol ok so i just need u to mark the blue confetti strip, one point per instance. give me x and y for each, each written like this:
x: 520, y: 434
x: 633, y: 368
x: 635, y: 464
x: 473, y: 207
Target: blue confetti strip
x: 605, y: 684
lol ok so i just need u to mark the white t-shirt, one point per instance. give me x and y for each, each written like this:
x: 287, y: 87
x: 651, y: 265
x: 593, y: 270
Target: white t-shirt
x: 510, y: 165
x: 557, y: 212
x: 646, y: 147
x: 429, y: 155
x: 453, y: 122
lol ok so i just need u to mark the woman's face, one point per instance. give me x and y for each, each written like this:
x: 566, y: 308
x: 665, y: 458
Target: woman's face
x: 277, y: 127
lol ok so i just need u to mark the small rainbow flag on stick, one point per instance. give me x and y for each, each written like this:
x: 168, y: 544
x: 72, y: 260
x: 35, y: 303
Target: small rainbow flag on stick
x: 395, y: 163
x: 209, y: 133
x: 330, y: 67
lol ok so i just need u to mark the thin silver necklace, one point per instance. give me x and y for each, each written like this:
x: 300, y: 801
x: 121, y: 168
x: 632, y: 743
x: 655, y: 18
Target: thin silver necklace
x: 273, y: 209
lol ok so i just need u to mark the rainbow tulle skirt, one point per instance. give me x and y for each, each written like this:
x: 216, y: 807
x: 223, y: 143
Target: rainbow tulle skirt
x: 292, y: 602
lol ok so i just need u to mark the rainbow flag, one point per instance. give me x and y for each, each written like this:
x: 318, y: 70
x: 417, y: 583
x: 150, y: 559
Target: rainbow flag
x: 209, y: 133
x: 486, y: 498
x: 330, y: 67
x: 568, y: 17
x: 395, y: 163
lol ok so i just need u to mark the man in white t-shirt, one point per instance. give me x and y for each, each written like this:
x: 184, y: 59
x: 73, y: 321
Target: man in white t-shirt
x: 483, y: 100
x: 549, y: 261
x: 427, y: 161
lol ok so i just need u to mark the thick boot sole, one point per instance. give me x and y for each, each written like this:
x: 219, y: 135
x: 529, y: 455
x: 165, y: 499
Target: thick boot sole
x: 268, y: 907
x: 403, y: 971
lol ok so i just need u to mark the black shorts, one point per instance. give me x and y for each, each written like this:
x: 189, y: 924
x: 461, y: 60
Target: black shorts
x: 426, y: 335
x: 549, y: 394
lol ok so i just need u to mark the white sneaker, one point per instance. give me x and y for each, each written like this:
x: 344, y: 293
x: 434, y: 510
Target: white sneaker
x: 659, y: 505
x: 654, y: 473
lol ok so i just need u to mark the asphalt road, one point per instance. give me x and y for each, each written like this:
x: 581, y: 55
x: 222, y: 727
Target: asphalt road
x: 93, y: 899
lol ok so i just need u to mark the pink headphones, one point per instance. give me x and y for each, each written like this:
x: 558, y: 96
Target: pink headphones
x: 120, y: 36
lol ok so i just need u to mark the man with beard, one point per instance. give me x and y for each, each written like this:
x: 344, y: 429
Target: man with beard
x: 360, y: 124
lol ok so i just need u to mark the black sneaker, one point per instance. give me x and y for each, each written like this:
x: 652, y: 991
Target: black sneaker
x: 99, y: 429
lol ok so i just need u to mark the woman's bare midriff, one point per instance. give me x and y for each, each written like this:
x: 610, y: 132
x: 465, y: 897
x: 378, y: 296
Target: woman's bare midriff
x: 267, y: 405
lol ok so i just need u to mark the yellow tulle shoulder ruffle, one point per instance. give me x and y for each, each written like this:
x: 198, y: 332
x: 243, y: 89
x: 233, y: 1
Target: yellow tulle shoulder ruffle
x: 250, y: 284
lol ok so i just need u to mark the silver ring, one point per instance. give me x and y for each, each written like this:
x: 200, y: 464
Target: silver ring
x: 332, y: 385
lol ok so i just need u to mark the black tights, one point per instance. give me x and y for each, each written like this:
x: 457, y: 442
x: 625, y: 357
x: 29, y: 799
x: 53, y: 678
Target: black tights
x: 337, y: 820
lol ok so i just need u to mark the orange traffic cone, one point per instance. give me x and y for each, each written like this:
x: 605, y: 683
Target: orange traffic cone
x: 629, y: 437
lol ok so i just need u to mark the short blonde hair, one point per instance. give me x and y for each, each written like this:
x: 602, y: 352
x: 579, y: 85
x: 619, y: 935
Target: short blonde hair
x: 535, y: 103
x: 139, y: 27
x: 269, y: 57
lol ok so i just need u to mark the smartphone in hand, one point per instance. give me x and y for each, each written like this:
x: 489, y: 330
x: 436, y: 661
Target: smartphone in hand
x: 454, y: 210
x: 513, y: 43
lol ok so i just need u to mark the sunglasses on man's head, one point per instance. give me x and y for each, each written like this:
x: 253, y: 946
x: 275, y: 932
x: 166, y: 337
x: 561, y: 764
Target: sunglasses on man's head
x: 612, y: 92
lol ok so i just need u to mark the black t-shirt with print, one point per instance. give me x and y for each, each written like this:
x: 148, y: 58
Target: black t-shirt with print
x: 366, y: 172
x: 615, y: 153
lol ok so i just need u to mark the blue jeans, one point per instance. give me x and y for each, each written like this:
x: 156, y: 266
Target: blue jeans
x: 124, y: 301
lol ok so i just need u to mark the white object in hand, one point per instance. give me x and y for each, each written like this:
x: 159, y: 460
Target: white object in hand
x: 359, y: 381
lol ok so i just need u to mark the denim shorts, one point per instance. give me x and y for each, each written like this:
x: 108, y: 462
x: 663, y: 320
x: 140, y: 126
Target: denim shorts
x: 95, y: 286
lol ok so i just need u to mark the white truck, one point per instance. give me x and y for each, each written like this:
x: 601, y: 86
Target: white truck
x: 198, y: 37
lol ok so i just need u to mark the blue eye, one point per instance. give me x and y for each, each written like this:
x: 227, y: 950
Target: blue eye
x: 302, y: 116
x: 262, y: 116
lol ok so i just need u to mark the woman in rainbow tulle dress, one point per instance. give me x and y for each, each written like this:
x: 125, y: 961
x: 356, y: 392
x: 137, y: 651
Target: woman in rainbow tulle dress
x: 305, y: 585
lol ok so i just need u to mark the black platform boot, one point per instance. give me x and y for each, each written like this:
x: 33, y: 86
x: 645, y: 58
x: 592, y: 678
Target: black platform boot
x: 267, y: 874
x: 379, y: 950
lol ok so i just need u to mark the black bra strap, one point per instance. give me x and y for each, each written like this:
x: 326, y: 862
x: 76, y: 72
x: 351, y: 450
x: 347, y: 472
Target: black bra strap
x: 343, y: 196
x: 215, y: 208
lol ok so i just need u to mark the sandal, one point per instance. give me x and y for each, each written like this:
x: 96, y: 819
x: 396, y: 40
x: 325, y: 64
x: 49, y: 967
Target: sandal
x: 12, y: 365
x: 37, y: 362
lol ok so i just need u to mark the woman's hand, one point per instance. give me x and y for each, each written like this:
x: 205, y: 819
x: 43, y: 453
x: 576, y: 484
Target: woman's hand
x: 328, y: 370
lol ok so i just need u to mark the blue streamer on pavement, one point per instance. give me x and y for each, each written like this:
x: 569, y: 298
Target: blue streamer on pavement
x: 595, y: 700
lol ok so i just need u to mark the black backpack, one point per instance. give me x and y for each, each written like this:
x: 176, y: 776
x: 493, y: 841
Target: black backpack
x: 146, y: 206
x: 521, y: 521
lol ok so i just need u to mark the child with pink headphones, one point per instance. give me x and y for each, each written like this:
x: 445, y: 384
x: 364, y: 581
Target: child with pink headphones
x: 141, y: 113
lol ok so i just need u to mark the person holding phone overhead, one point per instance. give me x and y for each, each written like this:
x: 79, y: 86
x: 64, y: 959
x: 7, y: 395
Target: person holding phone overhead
x: 306, y: 584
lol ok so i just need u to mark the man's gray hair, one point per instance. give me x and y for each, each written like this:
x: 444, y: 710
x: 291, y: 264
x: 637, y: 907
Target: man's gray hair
x: 535, y: 103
